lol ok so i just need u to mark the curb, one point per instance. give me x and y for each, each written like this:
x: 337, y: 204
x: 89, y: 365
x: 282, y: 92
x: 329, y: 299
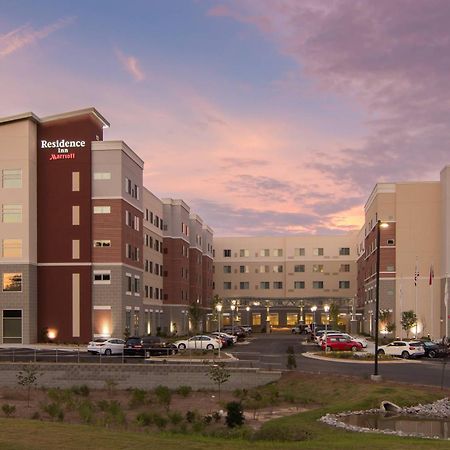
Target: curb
x: 348, y: 361
x: 196, y: 360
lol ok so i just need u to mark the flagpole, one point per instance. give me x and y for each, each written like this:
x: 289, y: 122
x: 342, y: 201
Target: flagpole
x: 416, y: 276
x: 401, y: 307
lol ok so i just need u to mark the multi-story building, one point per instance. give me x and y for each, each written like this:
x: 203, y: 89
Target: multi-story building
x: 279, y: 279
x: 414, y: 256
x: 83, y: 243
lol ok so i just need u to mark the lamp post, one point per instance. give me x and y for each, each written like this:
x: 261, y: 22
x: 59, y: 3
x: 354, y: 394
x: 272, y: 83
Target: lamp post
x: 380, y: 225
x: 247, y: 308
x: 326, y: 308
x: 232, y: 307
x: 313, y: 310
x: 219, y: 309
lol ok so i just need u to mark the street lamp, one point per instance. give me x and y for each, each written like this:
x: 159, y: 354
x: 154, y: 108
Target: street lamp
x: 247, y: 308
x: 326, y: 308
x: 233, y: 307
x: 219, y: 309
x: 313, y: 310
x: 377, y: 296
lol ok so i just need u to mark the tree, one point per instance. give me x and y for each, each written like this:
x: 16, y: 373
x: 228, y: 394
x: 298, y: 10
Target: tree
x: 219, y: 374
x: 195, y: 315
x: 334, y: 314
x: 408, y: 320
x: 27, y: 378
x: 385, y: 321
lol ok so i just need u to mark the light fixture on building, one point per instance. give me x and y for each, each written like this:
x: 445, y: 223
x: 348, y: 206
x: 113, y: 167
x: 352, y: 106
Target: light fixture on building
x: 51, y: 334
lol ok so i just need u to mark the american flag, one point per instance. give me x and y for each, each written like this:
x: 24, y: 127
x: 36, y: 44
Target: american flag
x: 416, y: 274
x: 431, y: 274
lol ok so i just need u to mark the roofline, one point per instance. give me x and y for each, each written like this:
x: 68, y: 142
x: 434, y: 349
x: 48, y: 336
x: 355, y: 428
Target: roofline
x: 66, y: 115
x: 24, y: 116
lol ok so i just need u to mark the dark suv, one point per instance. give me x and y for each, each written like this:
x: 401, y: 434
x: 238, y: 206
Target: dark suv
x: 148, y: 346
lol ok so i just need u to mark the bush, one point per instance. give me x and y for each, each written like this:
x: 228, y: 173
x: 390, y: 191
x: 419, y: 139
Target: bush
x: 191, y: 416
x: 113, y: 412
x: 184, y: 391
x: 36, y: 416
x: 138, y: 397
x: 164, y: 395
x: 82, y: 390
x: 54, y: 410
x: 8, y: 410
x: 144, y: 419
x: 62, y: 397
x: 159, y: 420
x: 235, y: 414
x: 175, y: 417
x: 86, y: 410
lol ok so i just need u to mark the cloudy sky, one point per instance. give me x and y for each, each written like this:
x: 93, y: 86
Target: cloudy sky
x: 268, y: 117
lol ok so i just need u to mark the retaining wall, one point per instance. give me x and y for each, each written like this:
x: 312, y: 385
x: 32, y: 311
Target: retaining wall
x: 140, y: 376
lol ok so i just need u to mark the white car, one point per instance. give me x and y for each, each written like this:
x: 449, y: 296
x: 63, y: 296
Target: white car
x: 200, y: 342
x: 405, y: 349
x: 106, y: 346
x: 225, y: 335
x: 320, y: 333
x: 362, y: 341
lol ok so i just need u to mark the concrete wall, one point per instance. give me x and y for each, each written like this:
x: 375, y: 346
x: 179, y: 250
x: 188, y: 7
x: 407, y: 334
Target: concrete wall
x: 140, y: 376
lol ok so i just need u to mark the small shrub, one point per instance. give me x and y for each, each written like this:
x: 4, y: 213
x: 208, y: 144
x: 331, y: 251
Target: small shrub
x: 207, y: 419
x: 235, y: 414
x: 138, y: 397
x: 191, y: 416
x: 175, y: 417
x: 144, y: 419
x: 291, y: 361
x: 54, y: 410
x: 82, y: 390
x: 62, y: 397
x: 113, y: 412
x: 164, y: 395
x: 86, y: 411
x: 184, y: 391
x: 36, y: 416
x: 159, y: 420
x: 8, y: 410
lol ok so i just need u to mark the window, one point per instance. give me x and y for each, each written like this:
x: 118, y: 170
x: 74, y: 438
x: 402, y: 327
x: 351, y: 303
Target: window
x: 137, y: 285
x: 264, y: 285
x: 102, y: 175
x: 243, y: 269
x: 278, y: 252
x: 265, y: 252
x: 299, y: 252
x: 12, y: 326
x: 102, y: 209
x: 317, y: 284
x: 263, y: 269
x: 278, y: 268
x: 128, y: 218
x: 318, y: 251
x: 75, y: 181
x: 299, y: 268
x: 278, y: 285
x: 273, y: 319
x: 75, y: 249
x: 102, y: 243
x: 299, y: 285
x: 344, y: 268
x: 127, y: 185
x: 12, y: 282
x: 227, y: 253
x: 227, y: 285
x: 136, y: 223
x: 12, y: 178
x: 291, y: 319
x: 226, y: 269
x: 391, y: 242
x: 12, y: 213
x: 102, y: 277
x: 344, y: 284
x: 129, y: 283
x: 390, y: 268
x: 243, y: 253
x: 344, y: 251
x: 12, y: 248
x: 256, y: 319
x: 75, y: 215
x: 317, y: 267
x: 244, y: 285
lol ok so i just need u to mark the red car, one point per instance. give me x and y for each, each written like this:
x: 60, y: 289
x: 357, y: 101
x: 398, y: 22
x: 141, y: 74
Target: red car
x: 339, y: 343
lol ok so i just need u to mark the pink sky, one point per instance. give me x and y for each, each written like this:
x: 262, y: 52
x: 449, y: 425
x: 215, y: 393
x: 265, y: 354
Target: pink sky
x: 267, y: 117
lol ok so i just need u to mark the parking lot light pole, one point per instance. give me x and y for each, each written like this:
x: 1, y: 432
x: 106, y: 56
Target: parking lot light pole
x: 379, y: 225
x: 247, y: 308
x: 232, y: 307
x: 313, y: 310
x: 219, y: 309
x: 326, y: 308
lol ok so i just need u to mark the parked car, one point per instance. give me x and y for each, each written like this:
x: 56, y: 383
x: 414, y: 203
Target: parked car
x: 148, y: 346
x: 247, y: 328
x: 362, y: 341
x: 404, y: 349
x: 228, y: 338
x: 106, y: 346
x: 200, y: 342
x: 236, y: 331
x: 434, y: 349
x: 320, y: 333
x: 338, y: 343
x: 301, y: 329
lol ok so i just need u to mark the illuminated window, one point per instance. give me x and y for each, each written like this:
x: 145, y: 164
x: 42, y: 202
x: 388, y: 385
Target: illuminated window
x: 12, y: 178
x: 12, y: 282
x: 102, y: 175
x: 317, y: 267
x: 291, y: 319
x: 12, y: 248
x: 12, y: 214
x: 102, y: 321
x: 274, y: 319
x: 256, y: 319
x: 102, y: 209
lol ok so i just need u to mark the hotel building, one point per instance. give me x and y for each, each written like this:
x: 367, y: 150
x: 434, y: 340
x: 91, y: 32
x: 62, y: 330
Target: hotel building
x: 415, y: 243
x: 86, y: 250
x: 285, y: 280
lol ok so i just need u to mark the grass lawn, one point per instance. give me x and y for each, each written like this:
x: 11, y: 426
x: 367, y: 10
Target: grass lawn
x: 321, y: 394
